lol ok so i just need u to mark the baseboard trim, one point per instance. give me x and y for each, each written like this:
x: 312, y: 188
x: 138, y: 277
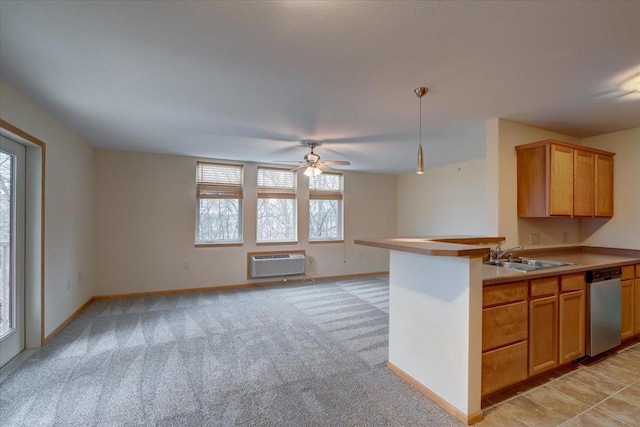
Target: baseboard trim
x: 235, y: 286
x: 75, y: 314
x: 436, y: 398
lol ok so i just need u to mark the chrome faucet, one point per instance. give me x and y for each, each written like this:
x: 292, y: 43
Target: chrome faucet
x: 496, y: 254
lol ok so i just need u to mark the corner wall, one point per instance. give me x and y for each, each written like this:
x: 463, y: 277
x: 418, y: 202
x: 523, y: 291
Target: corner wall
x: 623, y: 230
x: 68, y: 206
x: 145, y: 226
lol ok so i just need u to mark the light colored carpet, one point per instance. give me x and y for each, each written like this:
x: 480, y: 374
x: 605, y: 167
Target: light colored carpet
x: 309, y: 354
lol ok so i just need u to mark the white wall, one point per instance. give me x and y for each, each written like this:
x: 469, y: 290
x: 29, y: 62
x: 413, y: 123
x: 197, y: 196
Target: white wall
x: 68, y: 204
x: 145, y: 226
x: 623, y: 230
x: 445, y: 200
x: 502, y: 136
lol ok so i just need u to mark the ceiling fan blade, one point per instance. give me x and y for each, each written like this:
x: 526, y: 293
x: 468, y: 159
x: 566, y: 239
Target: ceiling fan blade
x: 286, y: 161
x: 326, y: 168
x: 298, y: 167
x: 336, y: 162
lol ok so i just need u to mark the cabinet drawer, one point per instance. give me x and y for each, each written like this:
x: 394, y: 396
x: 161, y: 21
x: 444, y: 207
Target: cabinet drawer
x: 628, y: 272
x: 505, y: 324
x: 504, y: 367
x: 503, y: 294
x: 572, y: 282
x: 544, y: 287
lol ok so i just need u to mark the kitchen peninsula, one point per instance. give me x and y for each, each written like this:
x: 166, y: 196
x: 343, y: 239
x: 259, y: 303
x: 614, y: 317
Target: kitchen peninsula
x: 436, y: 310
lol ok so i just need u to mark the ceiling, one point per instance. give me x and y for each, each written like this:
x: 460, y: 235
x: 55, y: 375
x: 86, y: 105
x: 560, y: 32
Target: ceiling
x: 249, y: 80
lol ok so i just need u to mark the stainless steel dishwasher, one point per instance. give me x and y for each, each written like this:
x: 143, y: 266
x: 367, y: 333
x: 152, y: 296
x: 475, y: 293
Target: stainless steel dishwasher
x: 603, y: 314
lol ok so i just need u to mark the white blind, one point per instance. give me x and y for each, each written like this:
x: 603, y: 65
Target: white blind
x: 218, y: 181
x: 276, y: 183
x: 326, y: 186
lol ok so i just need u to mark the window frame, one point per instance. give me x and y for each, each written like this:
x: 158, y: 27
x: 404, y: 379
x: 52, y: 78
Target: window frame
x: 220, y: 242
x: 328, y: 195
x: 284, y: 194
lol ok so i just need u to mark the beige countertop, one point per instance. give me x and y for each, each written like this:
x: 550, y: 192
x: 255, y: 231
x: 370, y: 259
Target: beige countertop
x: 456, y: 246
x: 582, y: 261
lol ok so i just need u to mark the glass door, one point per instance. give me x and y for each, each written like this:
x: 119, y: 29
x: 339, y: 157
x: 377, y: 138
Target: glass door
x: 12, y: 179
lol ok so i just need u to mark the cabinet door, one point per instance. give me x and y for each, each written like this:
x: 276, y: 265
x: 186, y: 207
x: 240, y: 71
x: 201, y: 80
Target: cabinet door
x: 561, y: 181
x: 543, y: 334
x: 572, y: 326
x: 626, y: 300
x: 583, y: 183
x: 636, y: 314
x: 604, y: 185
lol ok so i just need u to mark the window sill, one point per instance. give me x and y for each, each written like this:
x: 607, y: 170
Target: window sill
x: 322, y: 242
x: 295, y: 242
x: 218, y: 245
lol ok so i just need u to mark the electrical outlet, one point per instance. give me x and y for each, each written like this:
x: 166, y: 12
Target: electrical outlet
x: 311, y: 259
x: 565, y: 237
x: 185, y: 266
x: 535, y: 238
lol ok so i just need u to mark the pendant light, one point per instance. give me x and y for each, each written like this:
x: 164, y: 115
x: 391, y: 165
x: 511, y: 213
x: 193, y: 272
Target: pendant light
x: 420, y: 92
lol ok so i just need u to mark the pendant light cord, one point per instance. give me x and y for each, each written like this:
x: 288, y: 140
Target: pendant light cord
x: 421, y: 121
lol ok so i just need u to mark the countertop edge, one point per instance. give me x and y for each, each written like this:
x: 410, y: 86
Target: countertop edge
x: 430, y: 246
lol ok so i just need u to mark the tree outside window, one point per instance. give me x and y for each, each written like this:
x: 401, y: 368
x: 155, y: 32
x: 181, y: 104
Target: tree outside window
x: 326, y: 207
x: 219, y: 196
x: 277, y: 205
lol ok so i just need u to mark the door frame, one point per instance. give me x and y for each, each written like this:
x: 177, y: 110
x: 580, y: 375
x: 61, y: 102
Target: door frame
x: 36, y: 151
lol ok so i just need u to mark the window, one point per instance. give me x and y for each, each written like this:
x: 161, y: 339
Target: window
x: 325, y: 206
x: 276, y: 205
x: 219, y: 196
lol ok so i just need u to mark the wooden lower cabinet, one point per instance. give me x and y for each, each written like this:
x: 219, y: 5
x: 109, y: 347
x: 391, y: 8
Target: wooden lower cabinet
x: 504, y: 294
x: 504, y: 367
x: 627, y: 309
x: 530, y: 327
x: 543, y: 334
x: 572, y: 326
x: 504, y: 325
x: 636, y: 293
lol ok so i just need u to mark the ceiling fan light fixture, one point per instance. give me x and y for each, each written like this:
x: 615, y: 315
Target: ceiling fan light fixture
x: 312, y: 171
x: 420, y: 92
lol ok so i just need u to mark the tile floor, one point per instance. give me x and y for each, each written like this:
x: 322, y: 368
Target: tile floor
x: 602, y: 391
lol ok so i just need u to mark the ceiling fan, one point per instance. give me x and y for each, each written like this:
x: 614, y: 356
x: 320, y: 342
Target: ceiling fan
x: 312, y: 164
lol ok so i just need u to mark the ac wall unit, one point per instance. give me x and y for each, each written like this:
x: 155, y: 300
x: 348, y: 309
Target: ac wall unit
x: 276, y: 265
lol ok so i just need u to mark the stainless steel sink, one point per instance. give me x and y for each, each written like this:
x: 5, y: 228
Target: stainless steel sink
x: 527, y: 264
x: 519, y: 266
x: 544, y: 263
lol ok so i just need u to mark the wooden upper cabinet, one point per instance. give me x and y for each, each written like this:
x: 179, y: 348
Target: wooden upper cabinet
x: 558, y: 179
x: 561, y: 181
x: 603, y: 185
x: 583, y: 183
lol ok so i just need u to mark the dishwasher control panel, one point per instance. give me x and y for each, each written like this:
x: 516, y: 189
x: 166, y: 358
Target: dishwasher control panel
x: 603, y: 274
